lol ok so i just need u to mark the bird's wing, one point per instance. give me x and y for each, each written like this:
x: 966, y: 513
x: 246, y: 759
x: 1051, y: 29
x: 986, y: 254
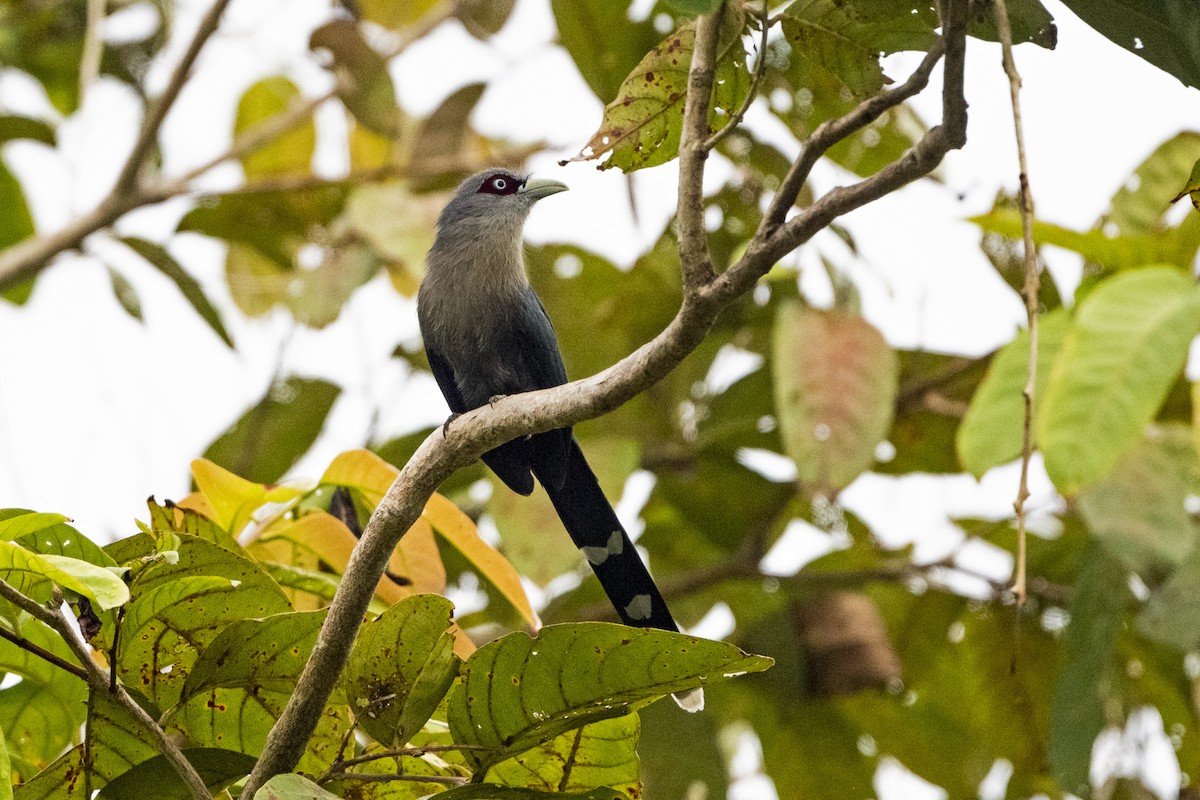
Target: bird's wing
x: 444, y: 376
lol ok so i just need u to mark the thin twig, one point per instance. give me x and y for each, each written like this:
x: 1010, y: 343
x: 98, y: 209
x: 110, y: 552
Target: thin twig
x: 367, y: 777
x: 760, y: 68
x: 93, y: 47
x: 97, y: 680
x: 157, y: 110
x: 42, y: 653
x: 1031, y: 290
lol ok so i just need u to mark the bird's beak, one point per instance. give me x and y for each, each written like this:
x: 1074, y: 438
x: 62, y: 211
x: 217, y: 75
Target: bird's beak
x: 539, y: 188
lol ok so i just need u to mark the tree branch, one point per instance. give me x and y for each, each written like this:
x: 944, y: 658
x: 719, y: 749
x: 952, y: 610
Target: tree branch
x: 42, y: 653
x: 97, y: 680
x: 157, y: 111
x: 760, y: 68
x: 832, y: 131
x: 484, y: 428
x: 693, y: 239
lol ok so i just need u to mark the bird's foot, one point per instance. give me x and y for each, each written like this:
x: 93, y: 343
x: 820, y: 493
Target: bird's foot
x: 446, y: 424
x: 496, y: 398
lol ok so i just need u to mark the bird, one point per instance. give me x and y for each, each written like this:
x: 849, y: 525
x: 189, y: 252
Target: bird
x: 488, y: 336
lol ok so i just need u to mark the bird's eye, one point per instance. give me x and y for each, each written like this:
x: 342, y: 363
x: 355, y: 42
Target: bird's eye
x: 499, y: 183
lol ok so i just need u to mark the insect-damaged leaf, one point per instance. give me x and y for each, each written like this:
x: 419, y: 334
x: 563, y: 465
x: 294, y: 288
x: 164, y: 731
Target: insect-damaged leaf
x: 519, y: 691
x: 600, y: 754
x: 401, y: 667
x: 642, y: 125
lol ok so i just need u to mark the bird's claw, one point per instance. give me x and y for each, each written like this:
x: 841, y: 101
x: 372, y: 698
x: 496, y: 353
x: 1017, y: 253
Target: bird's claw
x: 496, y: 398
x: 446, y: 424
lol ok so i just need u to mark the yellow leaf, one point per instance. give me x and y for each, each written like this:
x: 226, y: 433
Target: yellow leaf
x: 457, y: 529
x: 362, y: 470
x: 233, y: 500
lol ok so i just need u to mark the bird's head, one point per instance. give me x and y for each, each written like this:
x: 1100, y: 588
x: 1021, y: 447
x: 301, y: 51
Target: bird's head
x: 497, y: 197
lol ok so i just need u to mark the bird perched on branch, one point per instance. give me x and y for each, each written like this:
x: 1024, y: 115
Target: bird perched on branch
x: 487, y: 335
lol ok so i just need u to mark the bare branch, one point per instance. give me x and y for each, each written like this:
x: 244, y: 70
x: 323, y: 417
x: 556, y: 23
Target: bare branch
x: 1030, y: 290
x: 534, y: 412
x: 157, y: 111
x: 693, y: 239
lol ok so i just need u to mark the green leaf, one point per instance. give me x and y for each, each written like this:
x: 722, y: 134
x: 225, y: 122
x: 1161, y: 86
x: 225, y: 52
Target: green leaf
x: 180, y: 607
x: 116, y: 742
x: 41, y: 718
x: 1172, y: 614
x: 1141, y: 204
x: 65, y: 779
x: 271, y: 436
x: 98, y: 584
x: 436, y: 156
x: 1029, y: 20
x: 164, y: 262
x: 847, y: 39
x: 156, y: 778
x: 16, y: 224
x: 519, y: 691
x: 602, y: 754
x: 268, y: 653
x: 401, y: 667
x: 642, y: 125
x: 391, y: 14
x: 317, y: 296
x: 1137, y: 511
x: 694, y: 7
x: 835, y: 385
x: 24, y: 523
x: 1176, y: 246
x: 13, y: 126
x: 991, y: 433
x: 287, y: 155
x: 1163, y: 32
x: 493, y: 792
x: 1077, y: 712
x: 602, y: 41
x: 6, y: 792
x: 1124, y: 350
x: 484, y: 18
x: 365, y: 86
x: 126, y: 294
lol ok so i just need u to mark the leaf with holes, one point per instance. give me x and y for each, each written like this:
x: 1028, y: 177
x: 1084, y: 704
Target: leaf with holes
x: 401, y: 667
x: 835, y: 387
x: 1163, y: 32
x: 179, y: 608
x: 244, y: 678
x: 1125, y: 348
x: 642, y: 125
x: 518, y: 692
x: 600, y: 754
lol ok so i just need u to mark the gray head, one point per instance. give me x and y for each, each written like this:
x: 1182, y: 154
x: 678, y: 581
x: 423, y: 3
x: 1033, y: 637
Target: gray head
x: 495, y: 200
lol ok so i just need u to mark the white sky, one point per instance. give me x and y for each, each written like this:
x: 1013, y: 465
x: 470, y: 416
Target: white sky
x: 98, y: 411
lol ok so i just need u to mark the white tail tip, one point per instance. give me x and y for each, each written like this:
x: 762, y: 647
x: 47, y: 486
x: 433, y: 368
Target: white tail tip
x: 691, y: 701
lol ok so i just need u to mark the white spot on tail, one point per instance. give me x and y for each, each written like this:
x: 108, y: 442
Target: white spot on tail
x: 598, y: 555
x: 691, y: 701
x: 639, y: 607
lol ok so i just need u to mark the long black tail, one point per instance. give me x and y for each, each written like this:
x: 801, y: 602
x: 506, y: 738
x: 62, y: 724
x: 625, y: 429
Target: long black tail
x: 595, y: 529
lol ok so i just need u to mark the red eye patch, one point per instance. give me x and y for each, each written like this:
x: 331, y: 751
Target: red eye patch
x: 500, y: 183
